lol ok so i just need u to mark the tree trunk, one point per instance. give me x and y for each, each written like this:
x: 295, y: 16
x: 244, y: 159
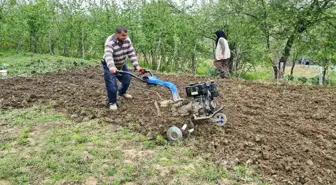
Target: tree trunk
x: 294, y: 58
x: 35, y: 44
x: 83, y: 48
x: 275, y: 70
x: 286, y: 53
x: 158, y: 52
x: 146, y: 59
x: 231, y: 59
x: 193, y: 61
x: 18, y: 43
x: 281, y: 70
x: 153, y: 64
x: 214, y: 50
x: 30, y: 43
x: 174, y: 56
x: 51, y: 48
x: 179, y: 63
x: 65, y: 52
x: 325, y: 69
x: 292, y: 69
x: 70, y: 53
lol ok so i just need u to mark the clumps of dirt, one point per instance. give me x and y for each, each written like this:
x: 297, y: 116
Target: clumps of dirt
x: 288, y: 132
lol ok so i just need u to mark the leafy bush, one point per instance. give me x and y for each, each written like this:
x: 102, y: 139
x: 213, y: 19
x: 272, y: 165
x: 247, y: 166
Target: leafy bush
x: 289, y: 78
x: 4, y: 66
x: 303, y: 79
x: 203, y: 69
x: 214, y: 72
x: 315, y: 80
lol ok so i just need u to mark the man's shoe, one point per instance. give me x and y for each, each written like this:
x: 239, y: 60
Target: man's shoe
x: 126, y: 96
x: 113, y: 107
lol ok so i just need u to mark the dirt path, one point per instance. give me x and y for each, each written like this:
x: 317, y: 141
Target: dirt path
x: 288, y: 132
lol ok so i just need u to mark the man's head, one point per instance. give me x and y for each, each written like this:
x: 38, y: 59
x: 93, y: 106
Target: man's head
x: 121, y: 33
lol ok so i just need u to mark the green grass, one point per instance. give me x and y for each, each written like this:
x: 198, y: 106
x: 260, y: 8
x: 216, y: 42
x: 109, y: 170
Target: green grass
x: 28, y: 64
x: 24, y: 117
x: 258, y: 75
x: 49, y: 148
x: 204, y: 69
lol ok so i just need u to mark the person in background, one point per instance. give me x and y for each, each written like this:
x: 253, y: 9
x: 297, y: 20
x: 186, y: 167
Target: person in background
x: 223, y: 54
x: 118, y: 46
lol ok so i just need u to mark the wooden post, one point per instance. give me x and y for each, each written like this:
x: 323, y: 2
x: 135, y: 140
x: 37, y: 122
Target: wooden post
x: 320, y: 75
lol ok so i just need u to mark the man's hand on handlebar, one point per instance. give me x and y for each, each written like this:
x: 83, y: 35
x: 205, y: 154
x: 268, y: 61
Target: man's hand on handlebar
x: 139, y: 69
x: 113, y: 70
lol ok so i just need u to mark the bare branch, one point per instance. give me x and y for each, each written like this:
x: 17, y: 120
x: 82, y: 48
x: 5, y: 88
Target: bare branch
x: 251, y: 15
x: 325, y: 4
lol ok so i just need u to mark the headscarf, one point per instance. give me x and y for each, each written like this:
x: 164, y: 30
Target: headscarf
x: 219, y: 34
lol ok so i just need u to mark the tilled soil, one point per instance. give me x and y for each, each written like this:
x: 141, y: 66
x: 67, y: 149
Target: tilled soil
x: 286, y: 131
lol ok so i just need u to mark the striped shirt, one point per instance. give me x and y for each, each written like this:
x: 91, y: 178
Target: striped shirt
x: 115, y: 52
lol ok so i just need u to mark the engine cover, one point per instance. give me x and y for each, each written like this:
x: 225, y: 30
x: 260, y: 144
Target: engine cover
x: 203, y: 94
x: 202, y: 89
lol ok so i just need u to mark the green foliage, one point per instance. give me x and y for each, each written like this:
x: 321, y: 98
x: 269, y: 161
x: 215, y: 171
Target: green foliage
x: 203, y: 69
x: 170, y: 36
x: 160, y: 140
x: 315, y: 80
x: 148, y: 144
x: 244, y: 172
x: 214, y: 72
x: 4, y: 66
x: 23, y: 140
x: 258, y: 75
x: 112, y: 172
x: 303, y: 79
x: 213, y: 173
x: 289, y: 78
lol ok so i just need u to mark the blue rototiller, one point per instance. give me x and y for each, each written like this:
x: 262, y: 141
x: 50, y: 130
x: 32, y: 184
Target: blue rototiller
x: 199, y: 104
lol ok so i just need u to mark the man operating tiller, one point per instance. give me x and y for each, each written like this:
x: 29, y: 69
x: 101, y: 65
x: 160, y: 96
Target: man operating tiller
x: 117, y: 47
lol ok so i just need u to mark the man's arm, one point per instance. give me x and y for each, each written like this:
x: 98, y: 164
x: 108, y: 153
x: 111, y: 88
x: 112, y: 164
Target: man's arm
x: 108, y: 55
x: 131, y: 55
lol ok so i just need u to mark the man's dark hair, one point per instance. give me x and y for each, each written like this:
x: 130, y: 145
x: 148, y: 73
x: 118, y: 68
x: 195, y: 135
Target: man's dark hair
x: 121, y: 29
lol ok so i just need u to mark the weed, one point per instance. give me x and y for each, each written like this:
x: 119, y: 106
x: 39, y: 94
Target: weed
x: 213, y: 173
x: 148, y: 144
x: 160, y: 140
x: 303, y: 79
x: 112, y: 171
x: 244, y: 172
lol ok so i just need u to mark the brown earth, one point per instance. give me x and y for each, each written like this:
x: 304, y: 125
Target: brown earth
x: 286, y: 131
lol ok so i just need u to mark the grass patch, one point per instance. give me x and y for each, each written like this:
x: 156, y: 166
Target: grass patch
x: 112, y: 172
x: 260, y: 74
x: 28, y: 64
x: 41, y: 114
x: 43, y: 152
x: 148, y: 144
x: 203, y: 69
x: 23, y: 140
x: 213, y: 173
